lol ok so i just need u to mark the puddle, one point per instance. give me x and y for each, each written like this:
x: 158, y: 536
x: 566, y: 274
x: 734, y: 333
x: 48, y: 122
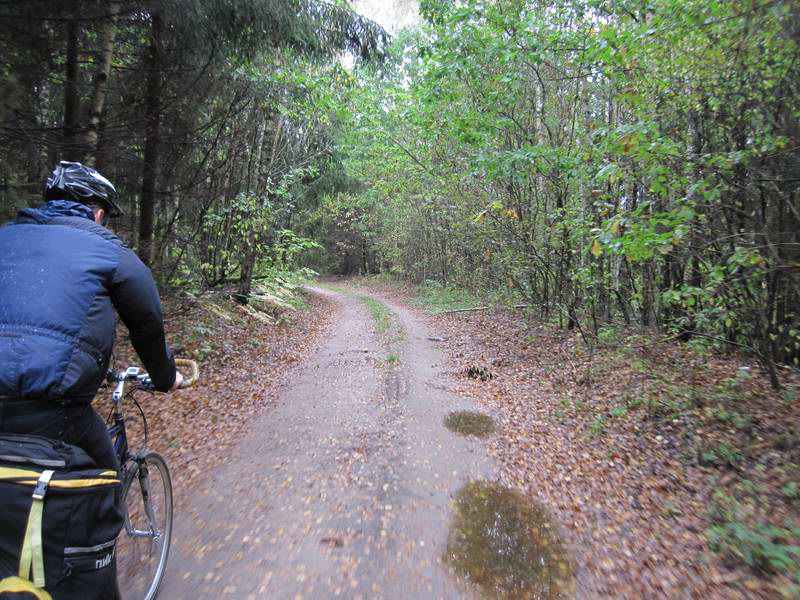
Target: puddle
x: 467, y: 422
x: 503, y: 542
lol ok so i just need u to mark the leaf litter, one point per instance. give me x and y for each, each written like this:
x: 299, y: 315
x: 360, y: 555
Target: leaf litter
x: 641, y: 451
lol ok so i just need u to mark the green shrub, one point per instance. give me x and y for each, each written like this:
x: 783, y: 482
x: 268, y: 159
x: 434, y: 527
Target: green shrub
x: 618, y: 411
x: 607, y: 335
x: 598, y: 425
x: 436, y: 298
x: 722, y: 455
x: 632, y: 402
x: 791, y: 491
x: 764, y: 547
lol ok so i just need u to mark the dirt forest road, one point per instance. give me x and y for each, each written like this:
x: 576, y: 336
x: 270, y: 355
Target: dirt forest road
x: 344, y: 489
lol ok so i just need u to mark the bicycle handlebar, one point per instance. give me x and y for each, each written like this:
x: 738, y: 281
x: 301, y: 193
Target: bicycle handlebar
x: 136, y: 374
x: 186, y: 362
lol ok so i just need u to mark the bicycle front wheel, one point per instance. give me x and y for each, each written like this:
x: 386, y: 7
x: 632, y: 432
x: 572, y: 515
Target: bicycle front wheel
x: 143, y: 544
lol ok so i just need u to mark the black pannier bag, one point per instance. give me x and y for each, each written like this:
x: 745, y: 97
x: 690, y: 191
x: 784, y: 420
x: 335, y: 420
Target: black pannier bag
x: 59, y: 519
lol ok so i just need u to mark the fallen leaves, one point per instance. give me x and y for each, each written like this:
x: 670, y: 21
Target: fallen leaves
x: 632, y: 496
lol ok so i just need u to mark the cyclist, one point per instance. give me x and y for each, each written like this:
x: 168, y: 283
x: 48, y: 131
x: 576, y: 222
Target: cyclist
x: 61, y: 271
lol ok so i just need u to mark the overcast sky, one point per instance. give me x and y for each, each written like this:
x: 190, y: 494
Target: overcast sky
x: 393, y: 15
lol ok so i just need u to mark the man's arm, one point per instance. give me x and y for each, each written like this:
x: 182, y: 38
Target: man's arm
x: 135, y: 296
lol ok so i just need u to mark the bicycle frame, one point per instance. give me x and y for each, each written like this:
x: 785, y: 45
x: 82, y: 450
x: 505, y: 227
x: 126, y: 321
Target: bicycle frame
x: 117, y: 428
x: 117, y: 433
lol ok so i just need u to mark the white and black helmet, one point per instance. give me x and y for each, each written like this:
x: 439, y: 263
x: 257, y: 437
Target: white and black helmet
x: 74, y: 181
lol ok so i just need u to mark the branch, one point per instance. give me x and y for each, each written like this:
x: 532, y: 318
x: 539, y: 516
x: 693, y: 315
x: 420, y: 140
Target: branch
x: 460, y: 310
x: 408, y: 152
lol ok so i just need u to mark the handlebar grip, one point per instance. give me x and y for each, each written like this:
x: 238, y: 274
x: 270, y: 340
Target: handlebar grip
x: 186, y: 362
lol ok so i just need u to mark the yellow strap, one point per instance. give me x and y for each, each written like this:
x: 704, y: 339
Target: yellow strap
x: 66, y: 484
x: 81, y: 483
x: 17, y: 473
x: 12, y: 473
x: 25, y: 477
x: 32, y: 555
x: 15, y: 584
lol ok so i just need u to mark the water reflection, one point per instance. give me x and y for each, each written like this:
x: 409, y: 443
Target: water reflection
x: 503, y: 542
x: 467, y: 422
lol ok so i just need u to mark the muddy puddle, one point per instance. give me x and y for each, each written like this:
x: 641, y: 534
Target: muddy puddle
x: 503, y: 542
x: 467, y: 422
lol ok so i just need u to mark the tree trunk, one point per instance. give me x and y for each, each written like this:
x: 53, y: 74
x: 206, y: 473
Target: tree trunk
x: 151, y: 145
x: 246, y: 276
x: 34, y: 163
x: 248, y: 264
x: 100, y: 85
x: 71, y: 100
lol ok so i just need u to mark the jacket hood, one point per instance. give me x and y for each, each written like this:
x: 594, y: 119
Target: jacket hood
x: 56, y: 208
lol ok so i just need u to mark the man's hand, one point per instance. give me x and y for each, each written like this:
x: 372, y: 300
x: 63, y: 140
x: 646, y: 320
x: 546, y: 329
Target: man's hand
x: 178, y: 380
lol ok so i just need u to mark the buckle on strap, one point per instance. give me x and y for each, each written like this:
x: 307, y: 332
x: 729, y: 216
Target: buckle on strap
x: 41, y: 486
x: 32, y: 555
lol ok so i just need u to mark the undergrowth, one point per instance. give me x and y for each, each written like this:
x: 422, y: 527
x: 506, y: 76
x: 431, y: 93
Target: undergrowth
x: 436, y: 298
x: 763, y: 546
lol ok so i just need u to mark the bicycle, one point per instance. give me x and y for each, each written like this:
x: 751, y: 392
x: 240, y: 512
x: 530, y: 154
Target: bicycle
x: 145, y: 538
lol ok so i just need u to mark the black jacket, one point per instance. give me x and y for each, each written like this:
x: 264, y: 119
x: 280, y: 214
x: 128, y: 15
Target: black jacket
x: 60, y: 274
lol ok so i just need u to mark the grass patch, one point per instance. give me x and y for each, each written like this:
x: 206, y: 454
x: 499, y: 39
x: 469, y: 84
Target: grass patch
x: 334, y: 288
x: 791, y: 491
x: 386, y: 326
x: 618, y: 411
x: 632, y: 402
x: 380, y: 314
x: 608, y: 335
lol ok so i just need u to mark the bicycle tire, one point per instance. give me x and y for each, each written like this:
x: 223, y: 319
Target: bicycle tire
x: 129, y: 577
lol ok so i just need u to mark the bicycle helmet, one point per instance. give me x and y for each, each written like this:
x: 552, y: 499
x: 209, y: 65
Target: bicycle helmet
x: 74, y: 181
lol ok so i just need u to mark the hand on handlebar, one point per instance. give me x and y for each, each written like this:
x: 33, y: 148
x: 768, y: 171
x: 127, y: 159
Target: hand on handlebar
x: 178, y: 380
x: 189, y: 366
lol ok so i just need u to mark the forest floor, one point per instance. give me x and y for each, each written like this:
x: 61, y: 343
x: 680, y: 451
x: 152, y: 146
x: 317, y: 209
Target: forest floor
x: 672, y: 473
x: 303, y: 460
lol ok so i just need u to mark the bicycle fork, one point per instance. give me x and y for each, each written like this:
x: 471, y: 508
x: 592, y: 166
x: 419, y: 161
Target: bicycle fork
x: 143, y: 475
